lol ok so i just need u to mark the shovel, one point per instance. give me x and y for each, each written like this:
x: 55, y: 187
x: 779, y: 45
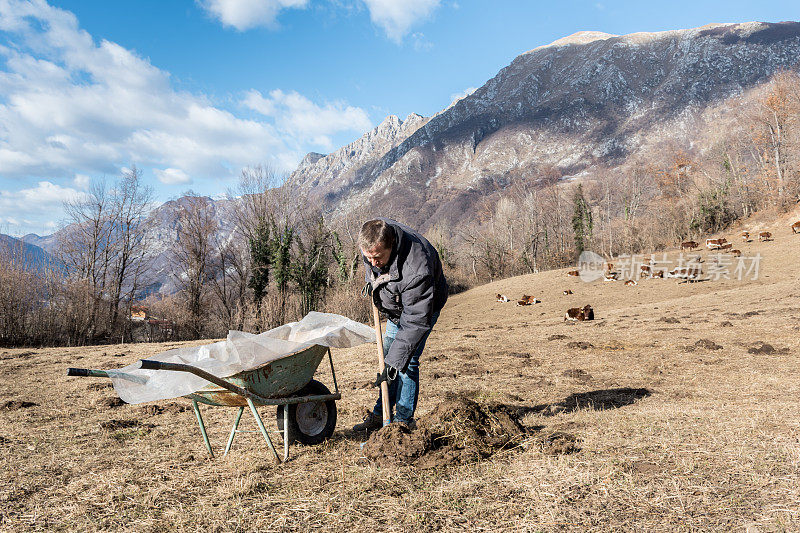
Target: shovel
x: 376, y: 317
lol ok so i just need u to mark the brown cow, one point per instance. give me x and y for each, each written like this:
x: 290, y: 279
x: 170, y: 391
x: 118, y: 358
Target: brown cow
x: 736, y: 253
x: 630, y: 282
x: 765, y: 236
x: 796, y: 227
x: 746, y: 236
x: 609, y: 267
x: 502, y: 299
x: 528, y: 300
x: 579, y: 313
x: 689, y: 245
x: 567, y: 292
x: 714, y: 244
x: 573, y: 273
x: 658, y: 274
x: 645, y: 270
x: 611, y: 276
x: 726, y: 246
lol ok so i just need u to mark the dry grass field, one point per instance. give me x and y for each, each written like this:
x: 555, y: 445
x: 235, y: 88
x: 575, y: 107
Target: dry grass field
x: 712, y: 444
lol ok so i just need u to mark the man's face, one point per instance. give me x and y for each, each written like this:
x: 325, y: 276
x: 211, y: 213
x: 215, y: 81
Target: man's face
x: 378, y: 256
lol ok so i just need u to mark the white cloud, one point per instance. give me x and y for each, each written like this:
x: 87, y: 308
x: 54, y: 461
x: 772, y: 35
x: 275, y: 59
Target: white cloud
x: 246, y: 14
x: 297, y: 116
x: 455, y: 97
x: 68, y: 104
x: 81, y: 181
x: 172, y: 176
x: 34, y: 209
x: 396, y: 17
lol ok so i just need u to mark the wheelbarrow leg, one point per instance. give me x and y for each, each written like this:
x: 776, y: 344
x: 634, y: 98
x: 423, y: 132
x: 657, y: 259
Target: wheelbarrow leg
x: 285, y: 432
x: 263, y: 429
x: 233, y: 431
x: 202, y: 427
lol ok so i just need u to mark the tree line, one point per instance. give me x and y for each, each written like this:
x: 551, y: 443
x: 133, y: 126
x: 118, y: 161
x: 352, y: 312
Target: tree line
x: 282, y: 258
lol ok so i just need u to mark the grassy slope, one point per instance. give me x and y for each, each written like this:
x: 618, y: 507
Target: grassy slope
x: 716, y: 444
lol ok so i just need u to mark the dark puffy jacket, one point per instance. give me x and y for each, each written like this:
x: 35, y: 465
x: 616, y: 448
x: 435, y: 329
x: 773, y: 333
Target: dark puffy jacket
x: 409, y: 291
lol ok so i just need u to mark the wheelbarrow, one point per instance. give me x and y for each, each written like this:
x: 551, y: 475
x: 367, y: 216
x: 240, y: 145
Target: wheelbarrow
x: 306, y: 408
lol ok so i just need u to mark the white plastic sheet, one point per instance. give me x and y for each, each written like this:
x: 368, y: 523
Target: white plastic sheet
x: 239, y: 352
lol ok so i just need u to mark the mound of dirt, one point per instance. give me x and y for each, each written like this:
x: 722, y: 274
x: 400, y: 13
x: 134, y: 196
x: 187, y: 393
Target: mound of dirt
x: 109, y: 402
x: 458, y: 431
x: 707, y: 344
x: 14, y: 405
x: 760, y: 347
x: 579, y: 345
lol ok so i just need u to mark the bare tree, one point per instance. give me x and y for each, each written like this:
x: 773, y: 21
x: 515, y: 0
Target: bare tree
x: 192, y: 256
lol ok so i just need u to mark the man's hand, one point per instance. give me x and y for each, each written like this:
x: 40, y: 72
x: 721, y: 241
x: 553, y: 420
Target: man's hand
x: 388, y: 375
x: 366, y: 292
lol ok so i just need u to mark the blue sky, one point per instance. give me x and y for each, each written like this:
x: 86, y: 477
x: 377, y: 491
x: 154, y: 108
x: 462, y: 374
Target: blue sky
x: 193, y: 91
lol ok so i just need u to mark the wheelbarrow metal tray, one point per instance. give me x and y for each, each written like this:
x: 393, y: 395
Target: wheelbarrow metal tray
x: 276, y: 379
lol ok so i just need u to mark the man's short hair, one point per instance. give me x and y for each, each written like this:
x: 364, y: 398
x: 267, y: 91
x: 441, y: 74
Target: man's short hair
x: 375, y: 232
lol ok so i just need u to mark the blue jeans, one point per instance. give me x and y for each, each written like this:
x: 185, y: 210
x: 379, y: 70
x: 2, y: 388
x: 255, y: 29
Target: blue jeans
x: 403, y: 391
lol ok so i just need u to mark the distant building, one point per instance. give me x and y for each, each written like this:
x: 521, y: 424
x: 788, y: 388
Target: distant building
x: 138, y: 312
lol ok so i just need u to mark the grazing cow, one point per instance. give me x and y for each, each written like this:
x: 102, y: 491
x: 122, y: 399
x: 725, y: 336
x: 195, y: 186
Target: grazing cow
x: 765, y: 236
x: 746, y: 236
x: 736, y: 253
x: 528, y: 300
x: 573, y: 273
x: 611, y: 276
x: 567, y: 292
x: 579, y: 313
x: 714, y: 244
x: 689, y: 245
x: 630, y: 282
x: 796, y: 227
x: 502, y: 299
x: 686, y: 273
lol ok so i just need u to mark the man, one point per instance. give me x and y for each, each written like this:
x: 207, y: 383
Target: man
x: 404, y: 275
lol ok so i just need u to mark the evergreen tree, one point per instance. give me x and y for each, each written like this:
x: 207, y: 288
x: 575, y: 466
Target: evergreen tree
x: 260, y: 259
x: 581, y: 221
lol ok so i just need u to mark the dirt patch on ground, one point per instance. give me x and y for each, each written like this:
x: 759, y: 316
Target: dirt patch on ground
x: 5, y: 356
x: 579, y: 345
x: 15, y: 405
x: 458, y: 431
x: 103, y: 385
x: 704, y: 344
x: 113, y: 425
x: 760, y: 347
x: 560, y: 443
x: 109, y: 402
x: 170, y: 408
x: 577, y: 373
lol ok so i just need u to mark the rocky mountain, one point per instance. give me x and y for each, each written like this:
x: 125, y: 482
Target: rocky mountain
x: 583, y: 102
x: 26, y: 254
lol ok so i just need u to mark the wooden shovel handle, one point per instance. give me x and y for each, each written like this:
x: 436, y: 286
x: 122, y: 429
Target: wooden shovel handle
x: 376, y: 318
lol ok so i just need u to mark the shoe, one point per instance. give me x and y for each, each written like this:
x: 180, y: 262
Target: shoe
x: 410, y: 425
x: 371, y: 423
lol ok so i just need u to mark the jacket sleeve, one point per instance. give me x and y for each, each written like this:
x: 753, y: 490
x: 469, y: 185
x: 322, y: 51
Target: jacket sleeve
x: 415, y: 320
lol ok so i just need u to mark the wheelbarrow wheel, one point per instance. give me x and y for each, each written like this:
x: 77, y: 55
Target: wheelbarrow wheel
x: 310, y: 422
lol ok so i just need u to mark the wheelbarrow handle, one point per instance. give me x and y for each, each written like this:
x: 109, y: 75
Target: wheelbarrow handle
x: 149, y: 364
x: 87, y: 372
